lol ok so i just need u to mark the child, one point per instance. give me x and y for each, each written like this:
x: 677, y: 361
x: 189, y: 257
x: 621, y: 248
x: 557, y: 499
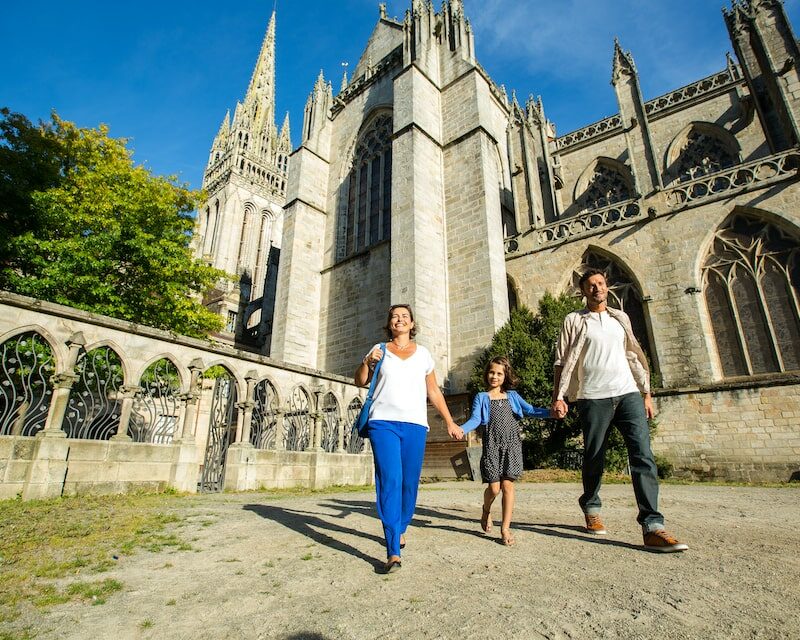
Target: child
x: 499, y: 408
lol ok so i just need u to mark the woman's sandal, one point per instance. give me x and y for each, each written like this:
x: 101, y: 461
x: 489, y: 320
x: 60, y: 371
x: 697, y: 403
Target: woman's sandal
x: 506, y: 538
x: 402, y: 540
x: 392, y: 566
x: 486, y: 520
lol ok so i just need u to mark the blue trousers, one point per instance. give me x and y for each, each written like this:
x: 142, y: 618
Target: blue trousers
x: 628, y: 414
x: 398, y: 449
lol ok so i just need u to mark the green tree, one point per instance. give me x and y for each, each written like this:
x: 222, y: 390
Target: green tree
x: 90, y: 229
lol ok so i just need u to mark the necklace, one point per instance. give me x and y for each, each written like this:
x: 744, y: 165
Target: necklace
x: 403, y: 348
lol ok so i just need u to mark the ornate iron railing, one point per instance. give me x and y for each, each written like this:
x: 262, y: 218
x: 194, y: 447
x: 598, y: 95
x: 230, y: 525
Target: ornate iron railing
x: 743, y: 177
x: 353, y: 443
x: 156, y: 407
x: 330, y: 422
x: 589, y: 223
x: 93, y: 411
x: 263, y: 427
x: 26, y: 364
x: 221, y: 422
x: 297, y: 421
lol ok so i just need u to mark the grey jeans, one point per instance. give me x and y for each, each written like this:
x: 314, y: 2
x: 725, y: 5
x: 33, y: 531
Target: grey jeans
x: 628, y: 415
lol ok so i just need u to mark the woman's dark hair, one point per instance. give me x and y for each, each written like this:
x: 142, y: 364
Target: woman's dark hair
x: 387, y: 327
x: 511, y: 380
x: 588, y: 274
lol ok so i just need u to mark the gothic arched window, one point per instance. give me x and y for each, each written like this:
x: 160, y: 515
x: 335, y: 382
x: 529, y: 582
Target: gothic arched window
x: 367, y: 215
x: 703, y: 152
x: 623, y: 293
x: 751, y: 282
x: 606, y: 184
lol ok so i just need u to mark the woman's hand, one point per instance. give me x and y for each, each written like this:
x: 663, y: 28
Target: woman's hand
x: 373, y: 358
x: 454, y: 431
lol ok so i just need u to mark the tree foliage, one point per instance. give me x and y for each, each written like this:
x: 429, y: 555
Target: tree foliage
x: 82, y: 225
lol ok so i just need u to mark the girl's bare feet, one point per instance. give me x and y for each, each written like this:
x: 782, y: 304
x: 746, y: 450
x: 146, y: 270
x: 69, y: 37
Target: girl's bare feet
x: 486, y: 520
x: 506, y: 537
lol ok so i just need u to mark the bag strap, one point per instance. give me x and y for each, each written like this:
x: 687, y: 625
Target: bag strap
x: 375, y: 371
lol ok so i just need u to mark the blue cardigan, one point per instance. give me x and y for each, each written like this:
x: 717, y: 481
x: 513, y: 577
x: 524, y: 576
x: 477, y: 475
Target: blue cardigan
x: 520, y: 408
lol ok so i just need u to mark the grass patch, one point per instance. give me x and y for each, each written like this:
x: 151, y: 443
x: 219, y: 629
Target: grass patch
x: 42, y: 542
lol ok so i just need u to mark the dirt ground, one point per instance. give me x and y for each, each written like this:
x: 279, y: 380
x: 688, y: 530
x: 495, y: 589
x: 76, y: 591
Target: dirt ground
x: 307, y: 567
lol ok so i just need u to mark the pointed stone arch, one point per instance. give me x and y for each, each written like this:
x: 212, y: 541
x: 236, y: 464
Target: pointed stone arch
x: 266, y: 408
x: 751, y: 287
x: 701, y: 148
x: 95, y: 400
x: 604, y: 182
x: 297, y: 420
x: 27, y: 361
x: 156, y: 409
x: 364, y: 212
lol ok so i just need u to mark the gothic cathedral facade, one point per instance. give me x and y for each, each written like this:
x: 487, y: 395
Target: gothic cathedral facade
x: 422, y: 182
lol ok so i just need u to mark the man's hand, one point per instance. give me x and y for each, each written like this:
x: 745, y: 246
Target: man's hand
x: 649, y: 409
x: 559, y: 409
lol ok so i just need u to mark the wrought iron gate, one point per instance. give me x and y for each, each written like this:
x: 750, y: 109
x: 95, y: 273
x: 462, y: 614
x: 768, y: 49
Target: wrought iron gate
x: 221, y: 425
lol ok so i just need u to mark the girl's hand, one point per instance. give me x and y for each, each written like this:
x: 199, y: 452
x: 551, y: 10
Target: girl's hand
x: 454, y: 431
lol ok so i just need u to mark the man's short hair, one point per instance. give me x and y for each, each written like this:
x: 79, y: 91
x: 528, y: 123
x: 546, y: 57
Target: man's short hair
x: 588, y: 274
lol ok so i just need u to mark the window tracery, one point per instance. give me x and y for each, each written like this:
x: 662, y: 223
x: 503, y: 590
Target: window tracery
x: 367, y: 214
x: 751, y: 283
x: 606, y: 187
x: 702, y: 154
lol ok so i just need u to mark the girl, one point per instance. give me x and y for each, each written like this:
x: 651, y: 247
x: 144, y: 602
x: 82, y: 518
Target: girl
x: 499, y: 408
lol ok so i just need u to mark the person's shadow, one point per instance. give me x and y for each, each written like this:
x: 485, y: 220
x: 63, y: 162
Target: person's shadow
x: 315, y: 525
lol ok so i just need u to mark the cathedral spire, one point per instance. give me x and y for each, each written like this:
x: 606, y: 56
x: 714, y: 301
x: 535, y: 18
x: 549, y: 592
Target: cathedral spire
x: 285, y: 138
x: 260, y: 97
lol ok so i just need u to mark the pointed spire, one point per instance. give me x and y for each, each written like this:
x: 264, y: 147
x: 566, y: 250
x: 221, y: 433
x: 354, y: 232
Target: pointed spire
x: 285, y: 138
x: 343, y: 86
x: 224, y: 128
x: 623, y: 64
x: 260, y: 95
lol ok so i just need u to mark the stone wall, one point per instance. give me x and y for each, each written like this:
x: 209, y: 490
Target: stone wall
x: 731, y: 432
x: 50, y: 464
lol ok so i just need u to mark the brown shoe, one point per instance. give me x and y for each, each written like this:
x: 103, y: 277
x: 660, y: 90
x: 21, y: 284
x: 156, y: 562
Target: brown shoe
x: 594, y: 525
x: 663, y: 542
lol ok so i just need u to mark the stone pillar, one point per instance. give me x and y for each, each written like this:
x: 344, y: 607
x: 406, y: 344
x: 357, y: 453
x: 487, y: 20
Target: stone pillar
x: 48, y: 469
x: 185, y: 466
x: 127, y: 393
x: 191, y: 399
x: 246, y: 407
x: 317, y: 423
x: 340, y: 440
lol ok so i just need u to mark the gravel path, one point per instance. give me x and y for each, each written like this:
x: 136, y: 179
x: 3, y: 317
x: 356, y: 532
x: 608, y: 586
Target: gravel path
x: 307, y: 567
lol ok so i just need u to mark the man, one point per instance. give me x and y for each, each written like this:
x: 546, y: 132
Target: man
x: 600, y: 366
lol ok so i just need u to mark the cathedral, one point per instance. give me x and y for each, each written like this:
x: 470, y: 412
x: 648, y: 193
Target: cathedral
x: 421, y: 181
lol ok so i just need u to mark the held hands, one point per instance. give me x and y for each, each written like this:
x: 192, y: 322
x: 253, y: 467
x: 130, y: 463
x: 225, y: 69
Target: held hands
x: 559, y: 409
x: 454, y: 431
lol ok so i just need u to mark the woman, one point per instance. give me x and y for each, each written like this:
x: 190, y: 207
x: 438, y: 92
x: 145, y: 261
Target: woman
x: 398, y: 424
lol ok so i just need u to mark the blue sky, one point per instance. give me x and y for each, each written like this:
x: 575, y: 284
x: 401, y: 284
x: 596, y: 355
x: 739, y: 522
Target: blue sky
x: 163, y: 73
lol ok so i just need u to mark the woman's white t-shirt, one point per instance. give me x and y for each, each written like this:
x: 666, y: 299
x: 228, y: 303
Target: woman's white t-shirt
x: 400, y: 391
